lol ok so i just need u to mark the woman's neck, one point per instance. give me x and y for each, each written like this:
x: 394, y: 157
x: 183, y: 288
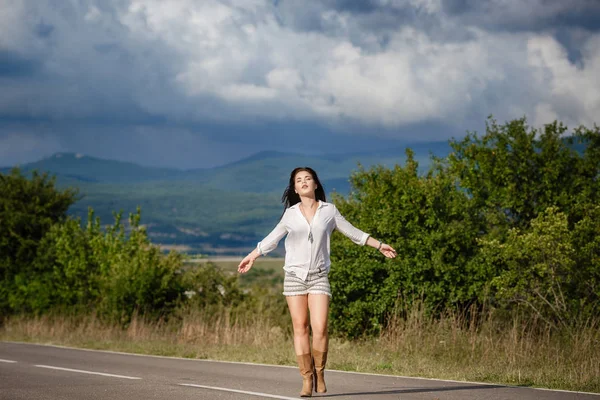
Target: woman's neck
x: 308, y: 202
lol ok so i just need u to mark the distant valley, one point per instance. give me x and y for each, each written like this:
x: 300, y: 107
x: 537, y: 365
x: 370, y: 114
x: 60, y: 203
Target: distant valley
x: 215, y: 211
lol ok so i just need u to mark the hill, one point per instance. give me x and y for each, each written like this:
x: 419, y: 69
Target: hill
x: 221, y: 210
x: 79, y: 167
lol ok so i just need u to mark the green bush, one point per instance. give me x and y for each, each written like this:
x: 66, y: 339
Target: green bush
x: 212, y: 292
x: 28, y: 210
x: 134, y: 275
x: 64, y: 274
x: 431, y: 225
x: 509, y: 216
x: 585, y: 238
x: 109, y: 271
x: 52, y: 263
x: 538, y: 267
x: 208, y: 287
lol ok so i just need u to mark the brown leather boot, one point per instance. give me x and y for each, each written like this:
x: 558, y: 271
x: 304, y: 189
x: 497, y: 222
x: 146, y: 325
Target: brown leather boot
x: 306, y: 370
x: 320, y: 359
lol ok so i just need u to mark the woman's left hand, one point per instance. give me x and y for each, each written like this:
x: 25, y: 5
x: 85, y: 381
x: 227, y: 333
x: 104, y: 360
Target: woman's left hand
x: 388, y: 251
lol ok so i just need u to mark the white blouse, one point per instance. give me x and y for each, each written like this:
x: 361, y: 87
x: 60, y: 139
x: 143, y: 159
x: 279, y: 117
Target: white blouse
x: 307, y: 245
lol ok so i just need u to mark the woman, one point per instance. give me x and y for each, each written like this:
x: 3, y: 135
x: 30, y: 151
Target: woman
x: 308, y: 221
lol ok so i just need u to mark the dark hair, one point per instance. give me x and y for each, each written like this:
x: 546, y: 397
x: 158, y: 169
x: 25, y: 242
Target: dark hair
x: 290, y: 197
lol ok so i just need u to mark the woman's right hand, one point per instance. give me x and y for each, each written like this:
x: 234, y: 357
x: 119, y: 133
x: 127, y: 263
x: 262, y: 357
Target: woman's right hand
x: 247, y: 263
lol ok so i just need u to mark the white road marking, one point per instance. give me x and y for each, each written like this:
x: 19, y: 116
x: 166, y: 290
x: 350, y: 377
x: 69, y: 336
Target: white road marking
x: 86, y: 372
x: 263, y: 395
x: 7, y: 361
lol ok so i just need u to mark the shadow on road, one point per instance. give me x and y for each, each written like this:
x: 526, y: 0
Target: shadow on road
x: 415, y: 390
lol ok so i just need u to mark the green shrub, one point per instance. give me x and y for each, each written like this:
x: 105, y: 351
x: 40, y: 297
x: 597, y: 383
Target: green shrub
x: 28, y: 210
x: 134, y: 274
x: 431, y: 225
x: 538, y: 267
x: 511, y: 215
x: 112, y: 272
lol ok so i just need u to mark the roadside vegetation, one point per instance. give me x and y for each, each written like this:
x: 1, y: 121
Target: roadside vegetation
x: 497, y: 277
x: 446, y: 347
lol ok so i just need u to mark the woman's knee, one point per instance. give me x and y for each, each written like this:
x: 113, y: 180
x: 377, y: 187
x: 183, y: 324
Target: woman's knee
x: 319, y: 331
x: 300, y: 328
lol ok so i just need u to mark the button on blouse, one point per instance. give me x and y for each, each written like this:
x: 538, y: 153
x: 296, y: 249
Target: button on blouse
x: 307, y: 245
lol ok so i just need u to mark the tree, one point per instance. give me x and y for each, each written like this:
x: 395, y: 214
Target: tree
x: 467, y: 231
x: 28, y: 210
x: 538, y: 267
x: 432, y: 226
x: 514, y: 172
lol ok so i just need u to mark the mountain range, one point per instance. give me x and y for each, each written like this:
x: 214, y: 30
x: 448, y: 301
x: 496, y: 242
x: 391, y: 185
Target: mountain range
x: 220, y: 210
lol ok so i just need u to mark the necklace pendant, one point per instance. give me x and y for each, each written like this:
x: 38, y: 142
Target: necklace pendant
x: 310, y: 236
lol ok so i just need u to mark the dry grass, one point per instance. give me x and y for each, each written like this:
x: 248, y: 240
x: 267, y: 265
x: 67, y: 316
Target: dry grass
x: 446, y: 348
x: 522, y: 352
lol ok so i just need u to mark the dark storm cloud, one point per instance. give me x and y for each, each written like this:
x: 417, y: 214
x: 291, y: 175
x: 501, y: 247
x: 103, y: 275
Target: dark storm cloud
x: 13, y: 65
x: 531, y: 15
x: 570, y: 22
x: 490, y: 15
x: 43, y: 30
x: 371, y: 15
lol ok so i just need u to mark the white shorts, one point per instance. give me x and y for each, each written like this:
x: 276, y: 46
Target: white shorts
x: 317, y: 282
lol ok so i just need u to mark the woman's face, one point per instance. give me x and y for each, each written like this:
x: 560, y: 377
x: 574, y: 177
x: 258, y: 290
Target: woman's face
x: 304, y: 184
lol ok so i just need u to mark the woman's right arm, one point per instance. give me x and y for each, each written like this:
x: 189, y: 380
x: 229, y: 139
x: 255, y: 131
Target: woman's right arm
x: 268, y: 244
x: 247, y: 262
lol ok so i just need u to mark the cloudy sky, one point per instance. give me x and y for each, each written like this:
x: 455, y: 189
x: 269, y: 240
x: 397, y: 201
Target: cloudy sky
x: 197, y: 83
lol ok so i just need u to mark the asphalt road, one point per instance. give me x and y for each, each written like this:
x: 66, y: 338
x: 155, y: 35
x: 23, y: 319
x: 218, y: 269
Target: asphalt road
x: 36, y: 372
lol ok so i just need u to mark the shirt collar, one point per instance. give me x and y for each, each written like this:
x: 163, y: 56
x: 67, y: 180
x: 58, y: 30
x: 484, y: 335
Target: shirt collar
x: 321, y: 204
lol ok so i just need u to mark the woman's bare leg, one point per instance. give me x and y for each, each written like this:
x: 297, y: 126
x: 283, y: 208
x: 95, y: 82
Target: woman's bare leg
x: 318, y: 304
x: 298, y: 306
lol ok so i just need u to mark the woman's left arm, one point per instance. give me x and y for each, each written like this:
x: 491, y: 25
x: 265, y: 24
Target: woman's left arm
x: 360, y: 237
x: 383, y: 248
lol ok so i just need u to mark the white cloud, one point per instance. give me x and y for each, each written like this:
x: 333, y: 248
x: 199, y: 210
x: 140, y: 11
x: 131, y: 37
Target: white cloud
x: 284, y: 79
x: 247, y: 92
x: 416, y: 79
x: 431, y: 6
x: 570, y: 93
x: 190, y: 60
x: 13, y: 33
